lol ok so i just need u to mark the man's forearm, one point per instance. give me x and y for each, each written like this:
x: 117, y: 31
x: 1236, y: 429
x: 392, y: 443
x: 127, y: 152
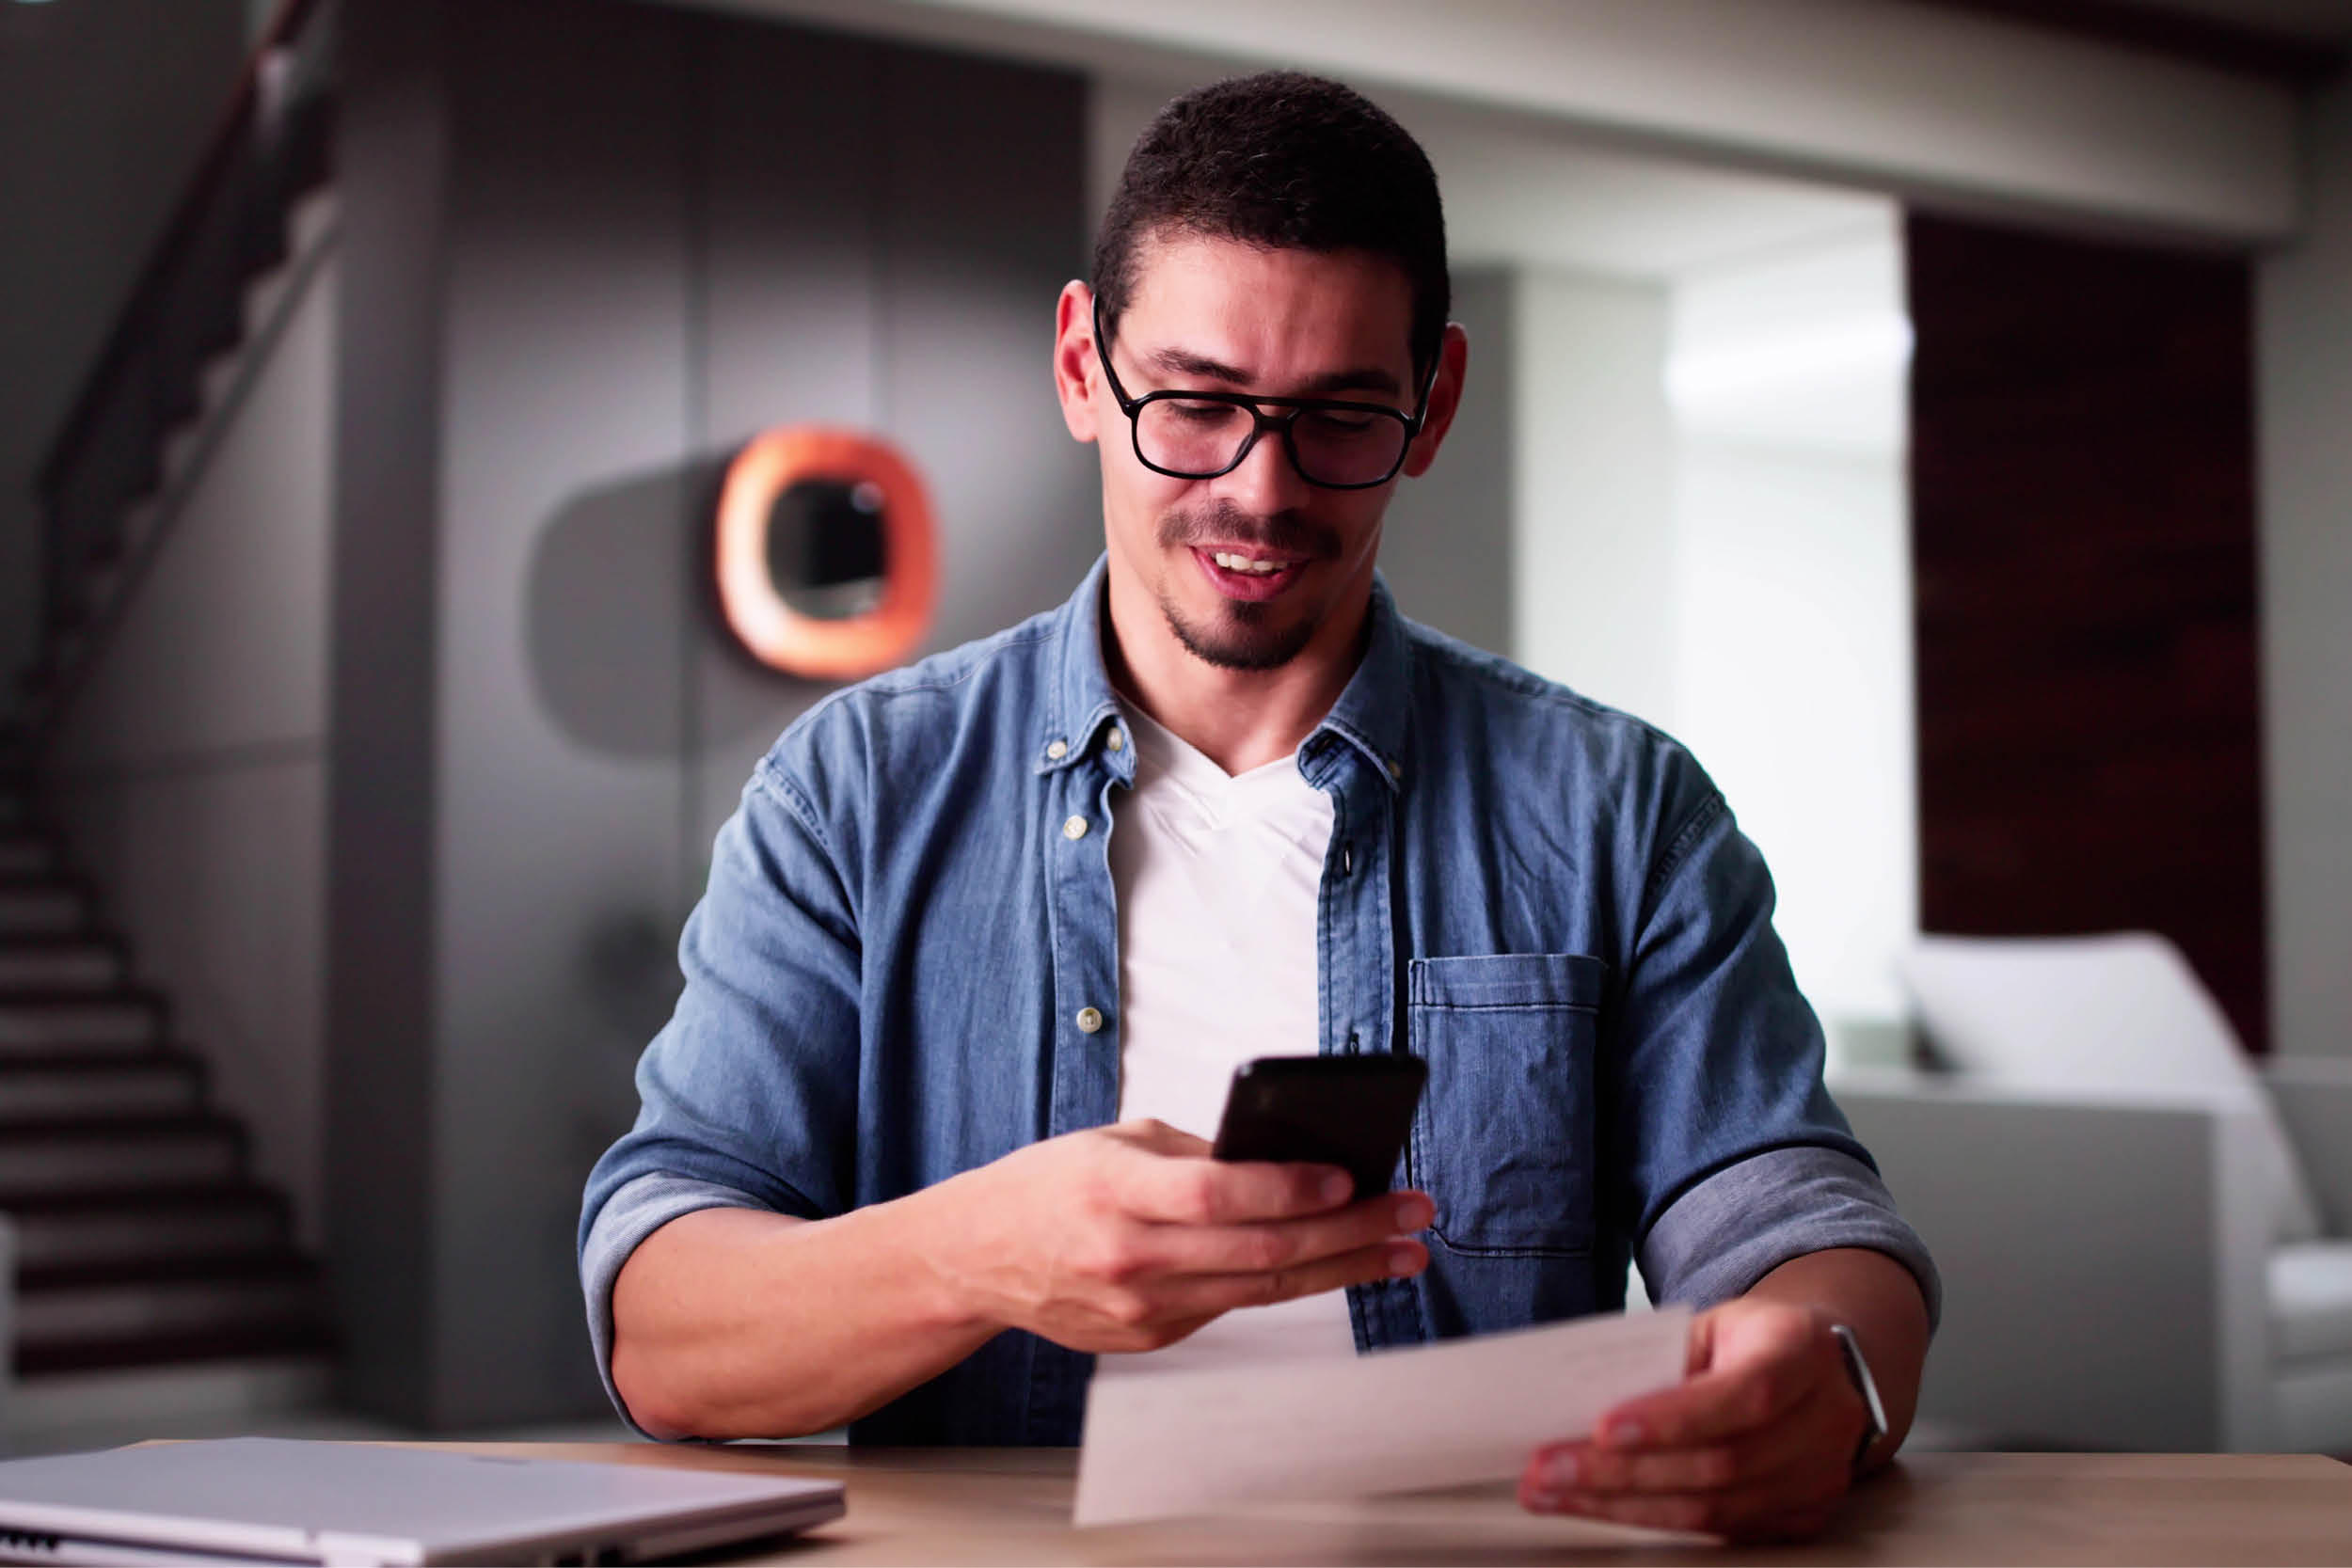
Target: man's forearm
x: 737, y: 1322
x: 1880, y: 1300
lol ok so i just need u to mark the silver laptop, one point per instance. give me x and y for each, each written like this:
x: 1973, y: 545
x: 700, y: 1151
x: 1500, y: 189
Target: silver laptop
x: 261, y: 1500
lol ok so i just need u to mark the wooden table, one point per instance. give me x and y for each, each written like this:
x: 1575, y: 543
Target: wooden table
x: 1013, y: 1505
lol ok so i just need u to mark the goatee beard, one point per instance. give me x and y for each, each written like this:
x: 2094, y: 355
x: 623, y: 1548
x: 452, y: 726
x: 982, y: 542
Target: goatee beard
x: 1245, y: 642
x: 1245, y: 635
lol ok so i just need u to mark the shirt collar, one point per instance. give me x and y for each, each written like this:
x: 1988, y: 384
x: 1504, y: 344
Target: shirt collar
x: 1369, y: 716
x: 1082, y: 699
x: 1374, y: 707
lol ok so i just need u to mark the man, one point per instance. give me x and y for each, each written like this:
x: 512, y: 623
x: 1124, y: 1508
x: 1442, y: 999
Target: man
x: 983, y: 944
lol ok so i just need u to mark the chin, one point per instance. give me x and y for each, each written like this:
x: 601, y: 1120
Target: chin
x: 1240, y: 635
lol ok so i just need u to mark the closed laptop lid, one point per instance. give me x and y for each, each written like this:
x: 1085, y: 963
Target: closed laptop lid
x: 277, y: 1501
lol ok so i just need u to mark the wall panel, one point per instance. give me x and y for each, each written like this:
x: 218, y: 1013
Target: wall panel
x: 563, y: 599
x: 662, y: 232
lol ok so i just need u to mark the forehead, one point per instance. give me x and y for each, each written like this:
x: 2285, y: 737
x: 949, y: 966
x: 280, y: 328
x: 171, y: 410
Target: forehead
x: 1268, y: 306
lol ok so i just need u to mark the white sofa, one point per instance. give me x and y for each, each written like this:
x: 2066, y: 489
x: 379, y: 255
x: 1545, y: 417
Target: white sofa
x: 2142, y: 1236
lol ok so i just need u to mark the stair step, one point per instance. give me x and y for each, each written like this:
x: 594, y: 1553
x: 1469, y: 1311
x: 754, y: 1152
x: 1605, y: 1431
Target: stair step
x: 111, y: 1153
x: 39, y: 909
x: 275, y: 1265
x: 67, y: 1409
x: 158, y: 1226
x: 250, y: 1341
x: 59, y: 1310
x: 70, y: 963
x: 71, y: 1021
x: 84, y: 1085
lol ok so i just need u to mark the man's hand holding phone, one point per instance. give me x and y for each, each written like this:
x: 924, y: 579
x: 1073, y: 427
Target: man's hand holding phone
x: 1130, y: 1236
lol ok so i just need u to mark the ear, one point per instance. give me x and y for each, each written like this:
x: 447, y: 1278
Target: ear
x: 1077, y: 372
x: 1445, y: 397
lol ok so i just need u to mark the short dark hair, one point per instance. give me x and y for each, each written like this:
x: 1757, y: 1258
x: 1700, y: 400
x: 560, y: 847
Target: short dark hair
x: 1286, y: 160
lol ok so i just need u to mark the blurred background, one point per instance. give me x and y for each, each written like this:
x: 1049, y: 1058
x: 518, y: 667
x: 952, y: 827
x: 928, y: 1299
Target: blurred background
x: 1935, y: 412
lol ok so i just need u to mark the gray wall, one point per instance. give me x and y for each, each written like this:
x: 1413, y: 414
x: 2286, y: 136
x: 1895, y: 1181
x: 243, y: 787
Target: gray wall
x: 1593, y: 538
x: 2304, y: 309
x: 190, y: 772
x: 103, y: 111
x: 1445, y: 546
x: 630, y: 238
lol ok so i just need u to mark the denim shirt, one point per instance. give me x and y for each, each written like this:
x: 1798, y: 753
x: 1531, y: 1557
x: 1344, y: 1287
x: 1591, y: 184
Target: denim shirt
x: 906, y: 966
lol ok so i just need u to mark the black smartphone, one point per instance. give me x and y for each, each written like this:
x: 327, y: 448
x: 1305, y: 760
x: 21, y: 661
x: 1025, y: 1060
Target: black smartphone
x: 1352, y: 1111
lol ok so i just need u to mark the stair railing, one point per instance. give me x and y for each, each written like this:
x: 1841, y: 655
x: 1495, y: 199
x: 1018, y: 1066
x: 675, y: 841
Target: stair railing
x: 272, y: 144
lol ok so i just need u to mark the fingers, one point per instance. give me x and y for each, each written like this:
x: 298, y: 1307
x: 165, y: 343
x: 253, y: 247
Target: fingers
x: 1741, y: 1456
x: 1201, y: 1191
x: 1774, y: 1373
x: 1774, y: 1509
x: 1280, y: 1243
x: 1821, y: 1431
x: 1206, y: 1295
x: 1586, y: 1467
x: 1158, y: 1239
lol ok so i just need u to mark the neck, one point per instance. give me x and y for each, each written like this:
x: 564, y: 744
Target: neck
x: 1237, y: 719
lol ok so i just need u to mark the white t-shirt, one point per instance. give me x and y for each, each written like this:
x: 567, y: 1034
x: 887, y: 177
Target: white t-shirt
x: 1217, y: 877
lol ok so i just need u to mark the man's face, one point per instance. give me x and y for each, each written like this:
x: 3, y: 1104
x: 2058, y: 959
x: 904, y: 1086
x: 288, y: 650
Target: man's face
x: 1246, y: 567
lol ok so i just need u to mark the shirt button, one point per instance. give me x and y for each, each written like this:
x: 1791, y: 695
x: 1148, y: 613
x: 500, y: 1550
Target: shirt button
x: 1059, y: 750
x: 1089, y: 1019
x: 1396, y: 770
x: 1074, y: 828
x: 1115, y: 741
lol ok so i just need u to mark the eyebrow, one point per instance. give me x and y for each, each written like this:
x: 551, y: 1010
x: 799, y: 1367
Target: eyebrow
x: 1364, y: 378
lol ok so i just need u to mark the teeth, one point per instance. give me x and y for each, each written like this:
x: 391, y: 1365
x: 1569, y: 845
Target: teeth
x: 1251, y: 564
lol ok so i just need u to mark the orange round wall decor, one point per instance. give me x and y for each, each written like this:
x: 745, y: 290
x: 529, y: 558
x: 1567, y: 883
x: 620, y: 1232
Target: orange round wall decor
x: 817, y: 646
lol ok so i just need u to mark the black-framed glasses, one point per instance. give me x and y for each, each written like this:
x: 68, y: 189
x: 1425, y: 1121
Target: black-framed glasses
x: 1332, y: 442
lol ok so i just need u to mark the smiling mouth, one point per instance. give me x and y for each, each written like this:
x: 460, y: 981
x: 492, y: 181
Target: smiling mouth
x: 1244, y: 576
x: 1253, y: 565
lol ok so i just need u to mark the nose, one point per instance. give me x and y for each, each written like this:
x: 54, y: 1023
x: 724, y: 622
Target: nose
x: 1267, y: 483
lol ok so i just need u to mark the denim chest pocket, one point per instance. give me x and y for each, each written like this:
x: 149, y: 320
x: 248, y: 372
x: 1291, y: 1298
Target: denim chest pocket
x: 1503, y: 1138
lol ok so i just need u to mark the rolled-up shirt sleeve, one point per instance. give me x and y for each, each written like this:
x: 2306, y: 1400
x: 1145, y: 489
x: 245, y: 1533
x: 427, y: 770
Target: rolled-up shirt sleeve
x: 1739, y: 1225
x: 634, y: 1212
x: 748, y: 1094
x: 1729, y: 1156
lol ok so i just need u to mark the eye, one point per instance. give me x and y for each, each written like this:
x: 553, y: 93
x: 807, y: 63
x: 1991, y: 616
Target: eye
x: 1342, y: 424
x: 1200, y: 413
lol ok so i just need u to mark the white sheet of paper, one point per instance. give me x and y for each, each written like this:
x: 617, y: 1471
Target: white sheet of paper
x: 1159, y: 1444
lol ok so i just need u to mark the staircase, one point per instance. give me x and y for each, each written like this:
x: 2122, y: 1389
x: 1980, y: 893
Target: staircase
x: 158, y: 1284
x: 145, y: 1245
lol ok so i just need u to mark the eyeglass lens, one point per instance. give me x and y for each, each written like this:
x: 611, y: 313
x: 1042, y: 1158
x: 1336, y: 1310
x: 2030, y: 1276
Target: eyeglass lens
x: 1332, y: 446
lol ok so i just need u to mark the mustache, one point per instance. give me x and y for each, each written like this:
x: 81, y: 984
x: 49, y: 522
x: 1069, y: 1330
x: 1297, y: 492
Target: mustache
x: 1221, y: 522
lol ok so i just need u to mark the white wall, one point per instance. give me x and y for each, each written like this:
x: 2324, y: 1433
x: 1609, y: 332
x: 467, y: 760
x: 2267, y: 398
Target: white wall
x: 1712, y: 533
x: 1793, y: 636
x: 1592, y: 572
x: 2304, y: 301
x: 191, y: 773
